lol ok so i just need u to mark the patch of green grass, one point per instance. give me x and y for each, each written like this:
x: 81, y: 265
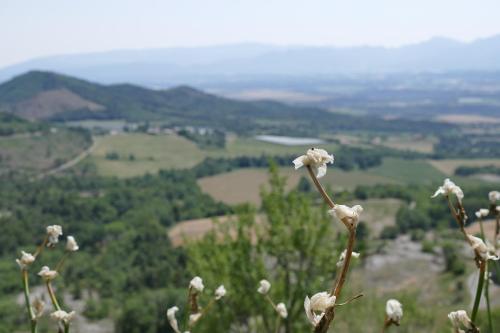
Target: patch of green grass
x: 150, y: 154
x: 408, y: 171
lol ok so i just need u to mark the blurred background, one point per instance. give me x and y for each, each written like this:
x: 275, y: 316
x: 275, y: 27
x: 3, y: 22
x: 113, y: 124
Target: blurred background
x: 161, y: 133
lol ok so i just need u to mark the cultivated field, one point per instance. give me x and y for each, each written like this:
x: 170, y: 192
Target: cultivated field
x: 242, y: 185
x: 40, y: 152
x: 150, y: 154
x: 448, y: 166
x: 154, y: 152
x: 411, y: 143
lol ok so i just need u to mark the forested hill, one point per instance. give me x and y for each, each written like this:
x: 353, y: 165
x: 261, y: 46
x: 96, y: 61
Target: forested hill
x: 50, y: 96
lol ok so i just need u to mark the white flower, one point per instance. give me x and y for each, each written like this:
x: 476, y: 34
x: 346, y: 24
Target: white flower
x: 220, y: 292
x: 197, y: 284
x: 486, y: 251
x: 448, y: 188
x: 394, y: 310
x: 494, y: 196
x: 53, y: 232
x: 193, y: 318
x: 62, y: 315
x: 322, y: 301
x: 25, y: 260
x: 340, y: 263
x: 47, y: 274
x: 281, y: 309
x: 316, y: 158
x: 319, y: 302
x: 343, y: 213
x: 460, y: 317
x: 71, y: 244
x: 483, y: 212
x: 38, y: 306
x: 264, y: 287
x: 171, y: 318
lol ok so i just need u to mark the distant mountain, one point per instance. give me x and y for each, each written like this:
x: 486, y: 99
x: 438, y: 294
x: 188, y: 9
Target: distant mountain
x: 163, y: 67
x: 50, y: 96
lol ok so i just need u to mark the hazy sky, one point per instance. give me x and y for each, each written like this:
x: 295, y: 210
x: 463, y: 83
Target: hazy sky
x: 32, y: 28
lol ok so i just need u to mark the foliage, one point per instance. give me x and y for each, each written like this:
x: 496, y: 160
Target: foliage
x: 473, y: 170
x: 292, y: 247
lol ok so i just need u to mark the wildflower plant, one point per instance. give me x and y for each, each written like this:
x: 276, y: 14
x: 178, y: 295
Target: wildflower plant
x: 194, y: 312
x: 36, y: 308
x: 483, y: 250
x: 280, y: 308
x: 320, y: 308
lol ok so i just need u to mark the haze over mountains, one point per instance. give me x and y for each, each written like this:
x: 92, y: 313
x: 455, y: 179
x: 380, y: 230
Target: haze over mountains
x: 167, y: 67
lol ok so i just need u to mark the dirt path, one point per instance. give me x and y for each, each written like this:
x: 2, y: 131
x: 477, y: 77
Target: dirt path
x: 70, y: 163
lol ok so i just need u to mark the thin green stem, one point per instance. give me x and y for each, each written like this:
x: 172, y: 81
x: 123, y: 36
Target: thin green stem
x: 26, y: 288
x: 61, y: 262
x: 52, y: 296
x: 320, y: 188
x: 479, y: 291
x: 482, y: 229
x: 487, y: 296
x: 277, y: 325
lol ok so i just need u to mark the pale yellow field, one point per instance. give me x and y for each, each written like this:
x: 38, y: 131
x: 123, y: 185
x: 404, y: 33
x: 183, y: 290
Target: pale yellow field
x: 448, y: 166
x: 242, y: 185
x: 468, y: 119
x: 412, y: 143
x: 277, y: 95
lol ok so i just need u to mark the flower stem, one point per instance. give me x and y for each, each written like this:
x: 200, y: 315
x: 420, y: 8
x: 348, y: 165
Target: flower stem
x: 26, y: 288
x: 479, y: 290
x: 61, y: 262
x: 277, y: 325
x: 324, y: 324
x: 320, y: 188
x: 487, y: 296
x: 52, y: 296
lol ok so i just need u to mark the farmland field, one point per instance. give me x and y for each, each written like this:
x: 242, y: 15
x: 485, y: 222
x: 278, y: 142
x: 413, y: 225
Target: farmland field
x: 448, y: 166
x: 150, y: 154
x: 154, y: 152
x: 40, y: 152
x: 408, y: 171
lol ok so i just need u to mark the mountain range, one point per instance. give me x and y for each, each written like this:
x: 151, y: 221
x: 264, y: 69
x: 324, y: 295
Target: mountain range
x: 172, y: 66
x: 49, y: 96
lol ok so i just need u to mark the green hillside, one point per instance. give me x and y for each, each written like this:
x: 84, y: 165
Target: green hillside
x: 44, y: 95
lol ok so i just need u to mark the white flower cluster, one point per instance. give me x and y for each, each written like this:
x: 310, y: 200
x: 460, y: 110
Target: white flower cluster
x: 347, y: 214
x: 25, y: 260
x: 47, y: 274
x: 340, y: 263
x: 394, y: 311
x: 196, y: 286
x: 460, y: 318
x: 494, y: 196
x: 482, y: 213
x: 53, y: 233
x: 317, y: 305
x: 264, y: 287
x: 485, y: 250
x: 449, y: 188
x: 64, y: 316
x: 316, y: 158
